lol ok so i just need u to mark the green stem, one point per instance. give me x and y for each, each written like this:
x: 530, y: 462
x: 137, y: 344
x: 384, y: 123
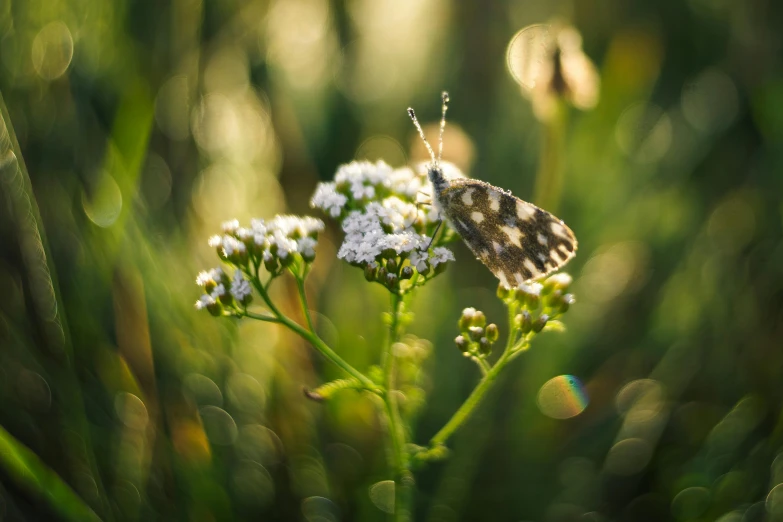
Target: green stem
x: 303, y: 301
x: 464, y: 411
x: 403, y: 479
x: 327, y: 352
x: 483, y: 365
x: 548, y: 178
x: 260, y: 317
x: 309, y: 336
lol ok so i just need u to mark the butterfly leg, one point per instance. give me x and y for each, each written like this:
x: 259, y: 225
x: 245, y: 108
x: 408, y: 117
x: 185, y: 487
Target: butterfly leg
x: 435, y: 233
x: 425, y: 203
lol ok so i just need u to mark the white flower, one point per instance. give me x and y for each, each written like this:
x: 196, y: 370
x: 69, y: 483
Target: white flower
x: 203, y: 278
x: 531, y: 288
x: 361, y: 178
x: 240, y: 287
x: 306, y: 247
x: 258, y: 226
x: 362, y: 247
x: 230, y: 227
x: 215, y: 241
x: 441, y: 255
x: 328, y: 199
x: 205, y: 301
x: 418, y: 260
x: 403, y: 242
x: 232, y: 245
x: 392, y: 220
x: 285, y: 245
x: 396, y: 213
x: 359, y: 222
x: 359, y: 251
x: 362, y: 191
x: 561, y: 279
x: 243, y: 233
x: 407, y: 183
x: 218, y: 291
x: 361, y: 172
x: 207, y: 276
x: 295, y: 225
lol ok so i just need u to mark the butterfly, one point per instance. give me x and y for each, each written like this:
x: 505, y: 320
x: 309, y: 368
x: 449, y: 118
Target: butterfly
x: 515, y: 239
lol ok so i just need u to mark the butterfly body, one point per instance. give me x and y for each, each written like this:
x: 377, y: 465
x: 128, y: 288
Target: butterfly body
x: 515, y: 239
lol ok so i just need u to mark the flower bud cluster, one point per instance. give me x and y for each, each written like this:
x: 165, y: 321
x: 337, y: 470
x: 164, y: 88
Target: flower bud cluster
x: 538, y: 303
x: 222, y: 292
x: 387, y: 232
x: 476, y: 336
x: 391, y: 270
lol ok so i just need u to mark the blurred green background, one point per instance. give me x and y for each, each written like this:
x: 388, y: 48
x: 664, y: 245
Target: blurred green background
x: 144, y: 124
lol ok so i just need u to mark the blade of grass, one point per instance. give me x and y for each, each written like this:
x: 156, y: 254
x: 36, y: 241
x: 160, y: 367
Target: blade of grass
x: 28, y: 471
x: 16, y: 184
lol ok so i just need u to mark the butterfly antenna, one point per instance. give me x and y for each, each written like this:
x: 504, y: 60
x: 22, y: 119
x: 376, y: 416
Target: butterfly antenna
x: 421, y: 133
x: 444, y: 107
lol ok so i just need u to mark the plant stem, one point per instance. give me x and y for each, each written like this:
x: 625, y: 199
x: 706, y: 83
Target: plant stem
x: 548, y: 178
x: 403, y: 478
x: 483, y: 365
x: 300, y: 285
x: 260, y: 317
x: 309, y: 336
x: 464, y: 411
x: 327, y: 352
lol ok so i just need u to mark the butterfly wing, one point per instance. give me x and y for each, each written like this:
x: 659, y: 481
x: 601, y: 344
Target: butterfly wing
x: 515, y: 239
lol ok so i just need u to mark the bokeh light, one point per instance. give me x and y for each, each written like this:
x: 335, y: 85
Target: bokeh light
x: 562, y: 397
x: 382, y: 495
x: 220, y: 427
x: 52, y: 50
x: 644, y: 133
x: 628, y: 457
x: 710, y: 101
x: 104, y: 205
x: 320, y: 509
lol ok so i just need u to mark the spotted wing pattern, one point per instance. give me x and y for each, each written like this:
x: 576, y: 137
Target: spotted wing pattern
x: 516, y: 240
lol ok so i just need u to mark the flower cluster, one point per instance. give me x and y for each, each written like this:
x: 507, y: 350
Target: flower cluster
x: 274, y: 243
x: 476, y: 337
x: 222, y: 291
x: 539, y: 303
x: 282, y: 242
x: 388, y: 232
x: 360, y: 182
x: 535, y: 307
